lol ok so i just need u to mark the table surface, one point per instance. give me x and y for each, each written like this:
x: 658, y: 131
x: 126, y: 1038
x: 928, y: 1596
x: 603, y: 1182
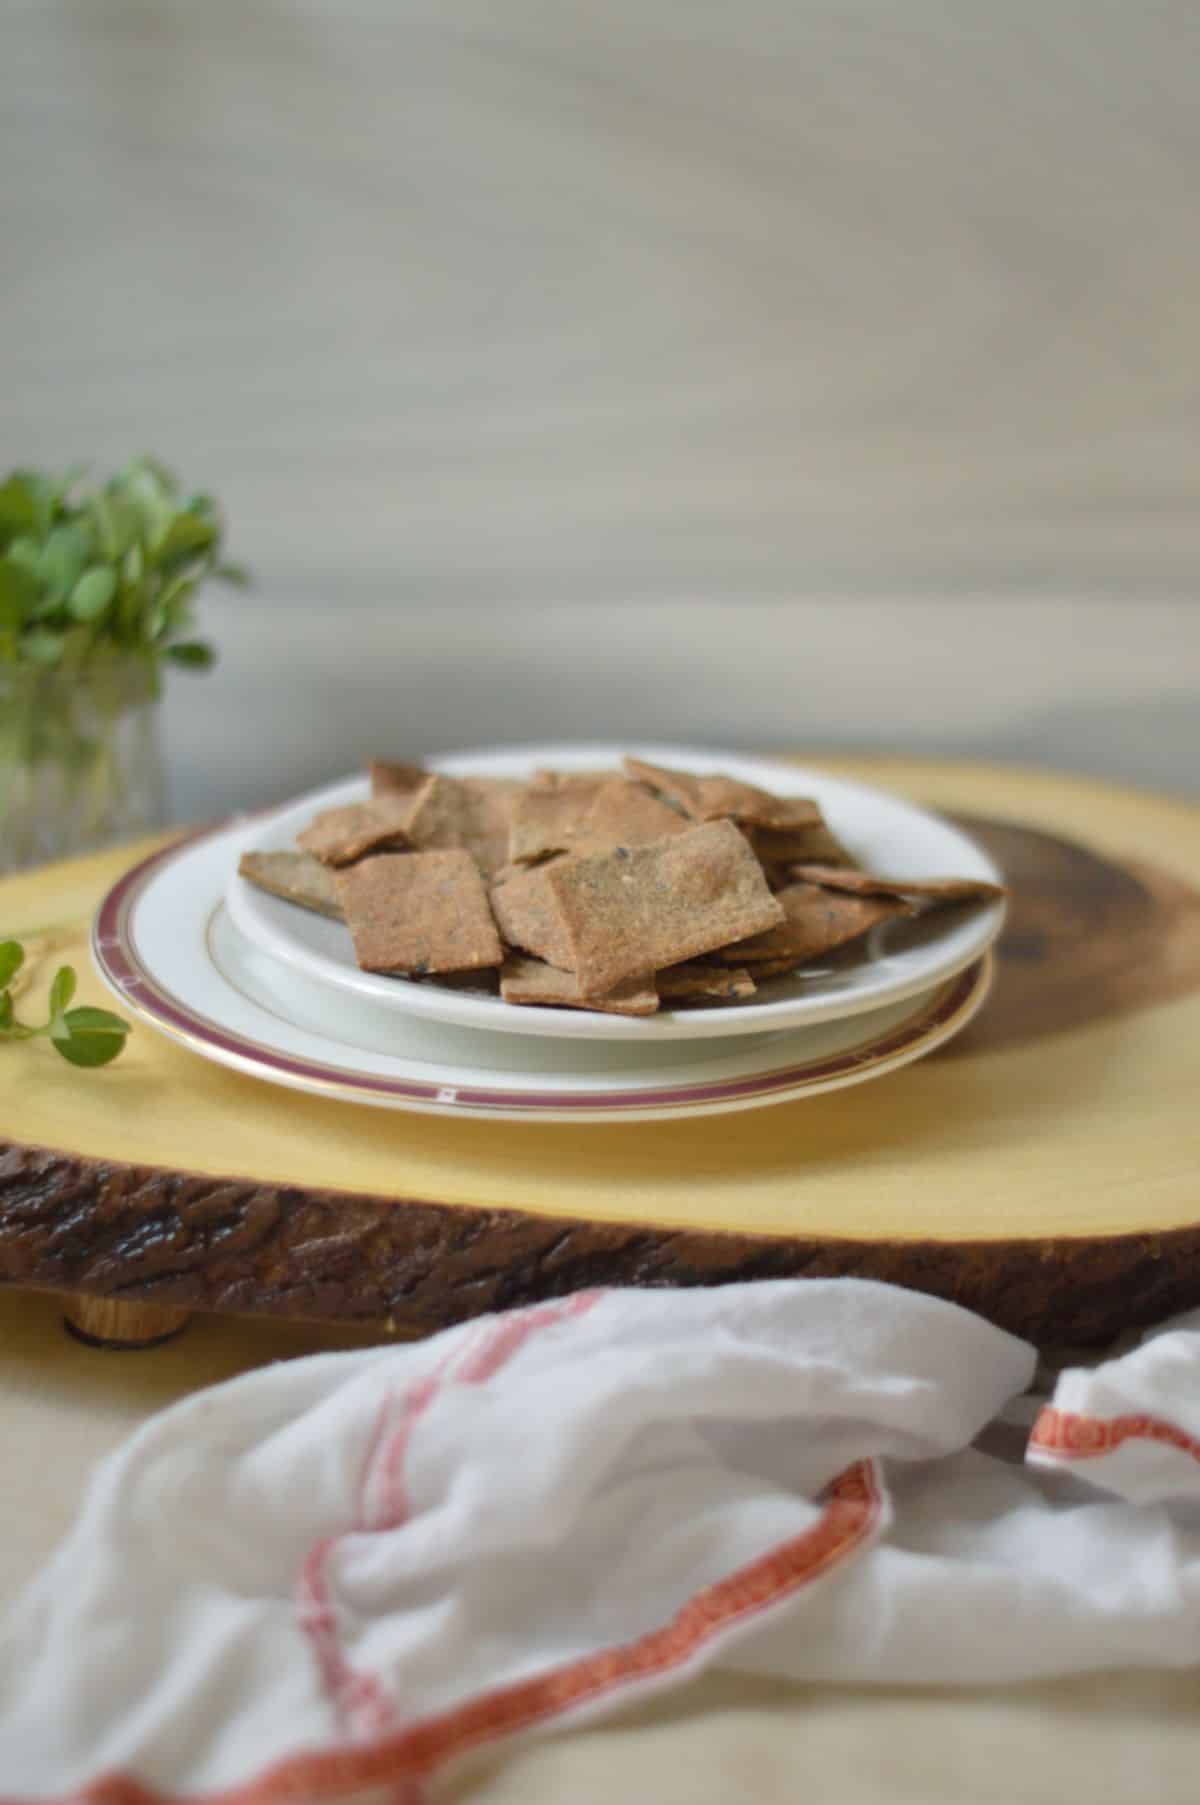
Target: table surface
x: 1107, y: 1739
x: 1101, y: 1737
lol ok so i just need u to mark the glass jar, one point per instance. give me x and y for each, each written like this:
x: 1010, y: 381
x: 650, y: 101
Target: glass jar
x: 81, y: 761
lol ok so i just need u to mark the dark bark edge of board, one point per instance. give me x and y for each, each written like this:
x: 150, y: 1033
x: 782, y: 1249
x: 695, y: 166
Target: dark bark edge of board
x: 144, y: 1235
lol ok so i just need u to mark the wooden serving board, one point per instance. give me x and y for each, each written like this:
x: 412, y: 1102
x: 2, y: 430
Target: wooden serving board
x: 1043, y: 1169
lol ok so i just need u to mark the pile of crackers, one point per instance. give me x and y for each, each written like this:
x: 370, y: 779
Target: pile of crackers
x: 618, y: 891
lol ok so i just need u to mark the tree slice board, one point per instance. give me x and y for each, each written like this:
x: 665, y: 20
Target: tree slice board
x: 1044, y: 1169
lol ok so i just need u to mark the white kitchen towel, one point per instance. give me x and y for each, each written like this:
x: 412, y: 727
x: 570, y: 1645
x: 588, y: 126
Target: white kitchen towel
x: 335, y: 1578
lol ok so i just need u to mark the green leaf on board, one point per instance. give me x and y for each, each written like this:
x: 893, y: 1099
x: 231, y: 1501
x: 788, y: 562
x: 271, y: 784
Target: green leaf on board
x: 95, y: 1037
x: 62, y: 989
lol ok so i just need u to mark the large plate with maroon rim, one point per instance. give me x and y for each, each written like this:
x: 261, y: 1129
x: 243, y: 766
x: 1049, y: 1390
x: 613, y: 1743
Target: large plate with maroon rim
x: 890, y: 836
x: 164, y: 943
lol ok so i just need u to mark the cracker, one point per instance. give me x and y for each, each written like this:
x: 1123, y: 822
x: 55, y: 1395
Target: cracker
x: 587, y: 813
x: 626, y: 814
x: 469, y: 812
x: 494, y: 799
x: 390, y: 779
x: 815, y: 921
x: 338, y: 836
x: 792, y: 846
x: 932, y: 890
x: 529, y: 915
x: 636, y: 909
x: 546, y: 818
x: 418, y: 913
x: 584, y: 783
x: 772, y: 968
x: 531, y: 981
x: 696, y: 983
x: 715, y: 797
x: 297, y: 877
x: 484, y: 981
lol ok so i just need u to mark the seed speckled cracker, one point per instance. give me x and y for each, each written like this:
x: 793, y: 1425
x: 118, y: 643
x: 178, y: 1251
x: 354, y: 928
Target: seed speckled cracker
x: 338, y: 836
x: 530, y: 916
x: 636, y: 909
x: 584, y: 783
x: 419, y: 912
x: 781, y: 847
x: 531, y: 981
x: 714, y: 797
x: 391, y: 779
x: 468, y: 812
x: 930, y: 890
x: 626, y: 814
x: 815, y: 921
x: 297, y: 877
x: 696, y: 983
x: 546, y: 817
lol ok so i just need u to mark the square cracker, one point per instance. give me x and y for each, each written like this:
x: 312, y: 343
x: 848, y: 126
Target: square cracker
x: 815, y: 921
x: 391, y: 779
x: 715, y: 797
x: 468, y: 812
x: 692, y: 982
x: 930, y: 890
x: 794, y: 845
x: 530, y: 981
x: 419, y: 912
x: 338, y: 836
x: 638, y: 908
x: 623, y: 813
x: 584, y: 783
x: 546, y: 818
x: 296, y: 876
x: 530, y: 916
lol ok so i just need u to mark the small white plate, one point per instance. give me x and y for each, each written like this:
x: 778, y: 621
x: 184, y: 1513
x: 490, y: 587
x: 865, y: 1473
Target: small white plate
x: 163, y: 941
x: 896, y: 961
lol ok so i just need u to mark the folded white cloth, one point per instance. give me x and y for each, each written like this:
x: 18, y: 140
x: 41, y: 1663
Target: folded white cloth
x: 334, y: 1578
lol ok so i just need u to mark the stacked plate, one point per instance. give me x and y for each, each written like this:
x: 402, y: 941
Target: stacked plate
x: 268, y: 988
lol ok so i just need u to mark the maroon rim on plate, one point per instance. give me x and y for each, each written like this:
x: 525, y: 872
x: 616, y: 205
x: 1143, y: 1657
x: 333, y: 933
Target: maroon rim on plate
x: 117, y: 959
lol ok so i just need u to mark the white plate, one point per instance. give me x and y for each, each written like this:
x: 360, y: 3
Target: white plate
x: 896, y: 961
x: 164, y: 942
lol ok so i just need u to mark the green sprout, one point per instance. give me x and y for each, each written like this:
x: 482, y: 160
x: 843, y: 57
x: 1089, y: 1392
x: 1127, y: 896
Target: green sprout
x: 83, y: 1036
x: 88, y: 570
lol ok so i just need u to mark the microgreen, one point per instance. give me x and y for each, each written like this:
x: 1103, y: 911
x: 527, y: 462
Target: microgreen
x: 87, y: 571
x: 82, y: 1036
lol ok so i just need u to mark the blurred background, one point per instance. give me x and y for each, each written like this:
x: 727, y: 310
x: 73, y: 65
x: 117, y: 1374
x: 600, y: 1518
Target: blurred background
x: 795, y: 374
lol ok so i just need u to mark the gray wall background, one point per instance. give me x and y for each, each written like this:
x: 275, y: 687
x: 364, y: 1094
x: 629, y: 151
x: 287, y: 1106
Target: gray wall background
x: 799, y: 372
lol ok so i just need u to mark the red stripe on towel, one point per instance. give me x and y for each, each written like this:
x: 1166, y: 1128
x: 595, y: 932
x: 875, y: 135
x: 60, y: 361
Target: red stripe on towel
x: 1068, y: 1435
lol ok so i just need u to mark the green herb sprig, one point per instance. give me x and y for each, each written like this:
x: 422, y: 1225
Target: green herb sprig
x: 83, y: 1036
x: 88, y: 571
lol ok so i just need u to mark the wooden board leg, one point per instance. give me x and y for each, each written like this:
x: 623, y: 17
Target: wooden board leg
x: 106, y: 1322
